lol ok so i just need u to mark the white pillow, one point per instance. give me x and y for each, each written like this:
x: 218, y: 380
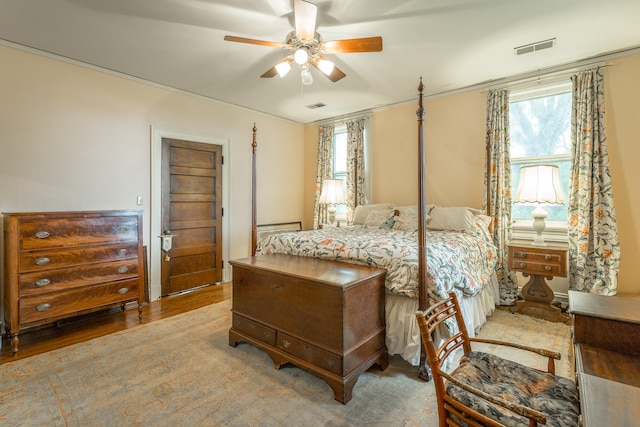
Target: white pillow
x: 377, y: 217
x: 362, y: 211
x: 453, y: 219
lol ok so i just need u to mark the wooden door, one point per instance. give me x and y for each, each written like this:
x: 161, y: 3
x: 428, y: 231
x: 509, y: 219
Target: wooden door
x: 192, y: 213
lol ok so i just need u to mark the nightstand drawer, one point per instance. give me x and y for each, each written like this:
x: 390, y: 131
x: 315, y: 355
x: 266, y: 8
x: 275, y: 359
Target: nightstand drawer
x: 526, y: 256
x: 535, y: 268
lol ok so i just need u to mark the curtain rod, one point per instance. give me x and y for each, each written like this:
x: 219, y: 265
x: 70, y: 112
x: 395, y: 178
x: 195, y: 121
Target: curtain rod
x: 344, y: 118
x: 548, y: 74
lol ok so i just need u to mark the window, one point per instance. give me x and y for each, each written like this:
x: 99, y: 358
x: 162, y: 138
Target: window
x: 340, y: 164
x: 540, y: 133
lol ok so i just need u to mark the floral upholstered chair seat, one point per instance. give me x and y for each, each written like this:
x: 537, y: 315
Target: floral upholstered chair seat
x: 554, y: 396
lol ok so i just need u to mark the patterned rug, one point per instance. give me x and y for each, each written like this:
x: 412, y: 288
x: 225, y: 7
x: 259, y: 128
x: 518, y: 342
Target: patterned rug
x: 181, y: 371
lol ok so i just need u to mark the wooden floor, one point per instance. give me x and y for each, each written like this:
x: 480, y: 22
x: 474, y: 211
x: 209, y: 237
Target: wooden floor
x: 35, y: 341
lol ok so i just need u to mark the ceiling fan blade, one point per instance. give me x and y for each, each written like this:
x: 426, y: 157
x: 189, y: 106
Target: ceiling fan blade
x: 253, y: 41
x: 335, y: 75
x: 305, y: 16
x: 366, y: 44
x: 271, y: 72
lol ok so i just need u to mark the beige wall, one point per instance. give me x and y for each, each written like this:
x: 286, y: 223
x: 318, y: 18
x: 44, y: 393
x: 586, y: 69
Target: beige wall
x: 73, y: 138
x: 454, y: 130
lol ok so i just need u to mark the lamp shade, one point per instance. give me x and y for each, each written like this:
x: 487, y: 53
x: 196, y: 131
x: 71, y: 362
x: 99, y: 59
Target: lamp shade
x: 331, y: 192
x: 539, y: 184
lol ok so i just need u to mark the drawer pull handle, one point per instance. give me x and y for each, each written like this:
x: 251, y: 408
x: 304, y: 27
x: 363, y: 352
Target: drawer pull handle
x: 42, y: 261
x: 547, y: 257
x: 42, y: 282
x: 286, y: 343
x: 330, y: 362
x: 122, y: 252
x: 123, y: 269
x: 43, y: 307
x: 522, y: 254
x: 523, y: 265
x: 276, y: 288
x: 547, y: 268
x: 42, y: 234
x: 123, y: 291
x: 121, y: 229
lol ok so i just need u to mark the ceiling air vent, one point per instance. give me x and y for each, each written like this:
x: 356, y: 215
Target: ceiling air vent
x: 534, y: 47
x: 314, y: 106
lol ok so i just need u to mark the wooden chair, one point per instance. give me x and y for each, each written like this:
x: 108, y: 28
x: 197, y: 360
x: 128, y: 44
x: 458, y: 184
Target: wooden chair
x: 486, y: 390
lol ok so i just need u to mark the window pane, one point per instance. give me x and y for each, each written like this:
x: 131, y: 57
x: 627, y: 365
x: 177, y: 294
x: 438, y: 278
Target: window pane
x: 340, y: 153
x: 540, y: 126
x: 540, y: 133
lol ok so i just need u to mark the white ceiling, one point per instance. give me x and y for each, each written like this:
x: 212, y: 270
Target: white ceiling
x: 452, y: 44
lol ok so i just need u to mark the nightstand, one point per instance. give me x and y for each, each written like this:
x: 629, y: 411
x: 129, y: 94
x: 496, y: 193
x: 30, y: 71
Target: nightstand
x: 538, y: 263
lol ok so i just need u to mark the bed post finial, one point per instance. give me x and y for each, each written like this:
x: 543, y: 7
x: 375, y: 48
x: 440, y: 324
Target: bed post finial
x: 420, y: 110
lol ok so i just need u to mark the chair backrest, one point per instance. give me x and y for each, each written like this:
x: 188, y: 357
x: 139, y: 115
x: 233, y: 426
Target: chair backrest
x: 433, y: 320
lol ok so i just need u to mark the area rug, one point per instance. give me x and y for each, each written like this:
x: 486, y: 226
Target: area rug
x: 181, y: 371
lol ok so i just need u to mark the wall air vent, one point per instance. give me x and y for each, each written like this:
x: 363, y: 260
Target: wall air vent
x: 534, y: 47
x: 314, y: 106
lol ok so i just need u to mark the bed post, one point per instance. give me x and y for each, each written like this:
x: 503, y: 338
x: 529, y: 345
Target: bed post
x: 424, y: 372
x: 422, y: 215
x: 254, y: 223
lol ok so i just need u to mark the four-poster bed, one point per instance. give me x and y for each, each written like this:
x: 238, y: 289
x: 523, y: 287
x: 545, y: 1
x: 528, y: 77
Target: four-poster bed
x: 461, y: 259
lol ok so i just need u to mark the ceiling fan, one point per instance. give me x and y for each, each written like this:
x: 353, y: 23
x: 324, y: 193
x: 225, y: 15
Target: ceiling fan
x: 307, y: 48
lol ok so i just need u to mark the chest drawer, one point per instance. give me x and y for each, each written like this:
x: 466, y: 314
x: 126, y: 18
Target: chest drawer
x: 61, y: 279
x: 58, y: 258
x: 319, y: 357
x: 57, y: 304
x: 50, y: 233
x: 254, y: 329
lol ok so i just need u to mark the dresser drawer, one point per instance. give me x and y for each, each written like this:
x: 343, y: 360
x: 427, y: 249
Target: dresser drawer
x: 50, y: 233
x: 317, y: 356
x: 39, y: 308
x: 45, y: 281
x: 57, y: 258
x: 254, y: 329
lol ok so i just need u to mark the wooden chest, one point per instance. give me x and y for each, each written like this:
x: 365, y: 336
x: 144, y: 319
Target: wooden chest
x: 323, y: 316
x: 60, y: 264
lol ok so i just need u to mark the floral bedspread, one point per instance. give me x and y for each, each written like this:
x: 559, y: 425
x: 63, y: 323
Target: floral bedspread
x: 457, y: 260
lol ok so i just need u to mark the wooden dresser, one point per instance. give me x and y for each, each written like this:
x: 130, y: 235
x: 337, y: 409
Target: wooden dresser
x: 61, y: 264
x: 323, y: 316
x: 606, y: 338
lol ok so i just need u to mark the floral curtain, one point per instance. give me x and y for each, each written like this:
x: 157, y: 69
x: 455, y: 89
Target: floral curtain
x: 497, y: 198
x: 325, y: 171
x: 355, y: 164
x: 594, y: 248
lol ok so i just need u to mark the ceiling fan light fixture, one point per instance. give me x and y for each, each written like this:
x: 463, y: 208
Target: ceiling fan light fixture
x: 326, y: 66
x: 301, y: 56
x: 307, y: 78
x: 283, y: 68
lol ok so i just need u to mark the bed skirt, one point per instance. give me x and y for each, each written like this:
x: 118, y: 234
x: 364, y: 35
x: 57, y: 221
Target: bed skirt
x: 403, y: 334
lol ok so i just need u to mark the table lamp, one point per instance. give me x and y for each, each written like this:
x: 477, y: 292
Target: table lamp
x: 539, y: 185
x: 331, y: 195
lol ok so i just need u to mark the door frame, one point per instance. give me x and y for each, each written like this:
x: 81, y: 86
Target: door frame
x: 157, y: 133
